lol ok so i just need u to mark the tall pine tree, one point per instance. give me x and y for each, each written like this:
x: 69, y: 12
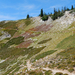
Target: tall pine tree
x: 41, y: 14
x: 72, y: 7
x: 27, y: 16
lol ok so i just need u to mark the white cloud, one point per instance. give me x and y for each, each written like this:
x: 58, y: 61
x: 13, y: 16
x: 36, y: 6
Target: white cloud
x: 26, y: 7
x: 4, y: 17
x: 56, y: 6
x: 43, y: 0
x: 34, y: 14
x: 19, y: 7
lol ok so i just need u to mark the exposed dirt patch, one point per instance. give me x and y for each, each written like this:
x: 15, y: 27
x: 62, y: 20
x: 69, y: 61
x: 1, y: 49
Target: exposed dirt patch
x: 32, y: 33
x: 25, y: 44
x: 27, y: 35
x: 43, y: 28
x: 30, y: 67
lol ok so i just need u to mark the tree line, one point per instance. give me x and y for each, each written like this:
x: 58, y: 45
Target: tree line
x: 57, y: 13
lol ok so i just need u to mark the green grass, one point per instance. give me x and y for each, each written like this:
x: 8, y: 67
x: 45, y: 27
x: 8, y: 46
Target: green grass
x: 71, y: 70
x: 67, y: 42
x: 4, y: 65
x: 35, y: 73
x: 59, y: 73
x: 44, y: 54
x: 16, y: 41
x: 65, y: 60
x: 1, y: 34
x: 11, y: 69
x: 11, y: 32
x: 1, y: 44
x: 44, y: 41
x: 10, y: 61
x: 9, y: 27
x: 49, y: 72
x: 13, y: 53
x: 34, y: 51
x: 16, y: 67
x: 2, y: 23
x: 16, y: 52
x: 10, y: 24
x: 72, y: 25
x: 27, y: 21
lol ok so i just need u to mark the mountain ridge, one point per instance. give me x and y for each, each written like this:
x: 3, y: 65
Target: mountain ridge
x: 43, y: 43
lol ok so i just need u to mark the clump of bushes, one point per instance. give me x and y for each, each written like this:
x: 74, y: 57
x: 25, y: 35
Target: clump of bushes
x: 16, y: 41
x: 65, y: 60
x: 1, y: 34
x: 49, y: 72
x: 59, y: 73
x: 65, y: 74
x: 11, y: 32
x: 44, y: 18
x: 27, y: 21
x: 44, y: 41
x: 35, y: 73
x: 44, y: 54
x: 71, y: 70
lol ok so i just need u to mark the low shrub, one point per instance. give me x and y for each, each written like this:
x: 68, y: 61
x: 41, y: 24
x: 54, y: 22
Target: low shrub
x: 71, y: 70
x: 49, y: 72
x: 44, y: 54
x: 59, y: 73
x: 35, y: 73
x: 11, y: 32
x: 65, y: 74
x: 27, y: 22
x: 16, y: 41
x: 44, y: 41
x: 44, y: 18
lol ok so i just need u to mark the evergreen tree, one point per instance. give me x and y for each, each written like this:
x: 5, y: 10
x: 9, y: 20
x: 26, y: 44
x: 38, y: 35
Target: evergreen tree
x: 50, y: 14
x: 67, y: 9
x: 54, y: 10
x: 44, y: 17
x: 72, y: 7
x: 58, y: 13
x: 41, y: 14
x: 27, y: 16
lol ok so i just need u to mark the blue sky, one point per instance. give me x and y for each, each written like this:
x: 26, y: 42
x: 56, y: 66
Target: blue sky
x: 18, y: 9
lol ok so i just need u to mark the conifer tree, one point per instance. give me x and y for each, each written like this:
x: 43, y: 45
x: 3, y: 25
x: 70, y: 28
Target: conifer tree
x: 41, y: 14
x: 27, y: 16
x: 64, y: 9
x: 72, y: 7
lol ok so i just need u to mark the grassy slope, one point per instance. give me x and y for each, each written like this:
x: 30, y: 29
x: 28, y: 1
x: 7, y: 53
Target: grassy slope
x: 64, y: 60
x: 20, y: 27
x: 67, y: 42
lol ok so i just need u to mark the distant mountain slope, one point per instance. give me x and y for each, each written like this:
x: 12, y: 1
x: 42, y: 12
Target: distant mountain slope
x: 44, y: 43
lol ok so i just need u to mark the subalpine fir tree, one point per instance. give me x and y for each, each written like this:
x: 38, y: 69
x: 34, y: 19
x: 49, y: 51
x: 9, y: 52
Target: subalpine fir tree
x: 72, y: 7
x: 27, y: 16
x: 65, y: 9
x: 41, y: 14
x: 58, y: 13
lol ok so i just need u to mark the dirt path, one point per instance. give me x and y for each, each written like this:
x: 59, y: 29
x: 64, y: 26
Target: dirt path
x: 29, y: 66
x: 57, y: 70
